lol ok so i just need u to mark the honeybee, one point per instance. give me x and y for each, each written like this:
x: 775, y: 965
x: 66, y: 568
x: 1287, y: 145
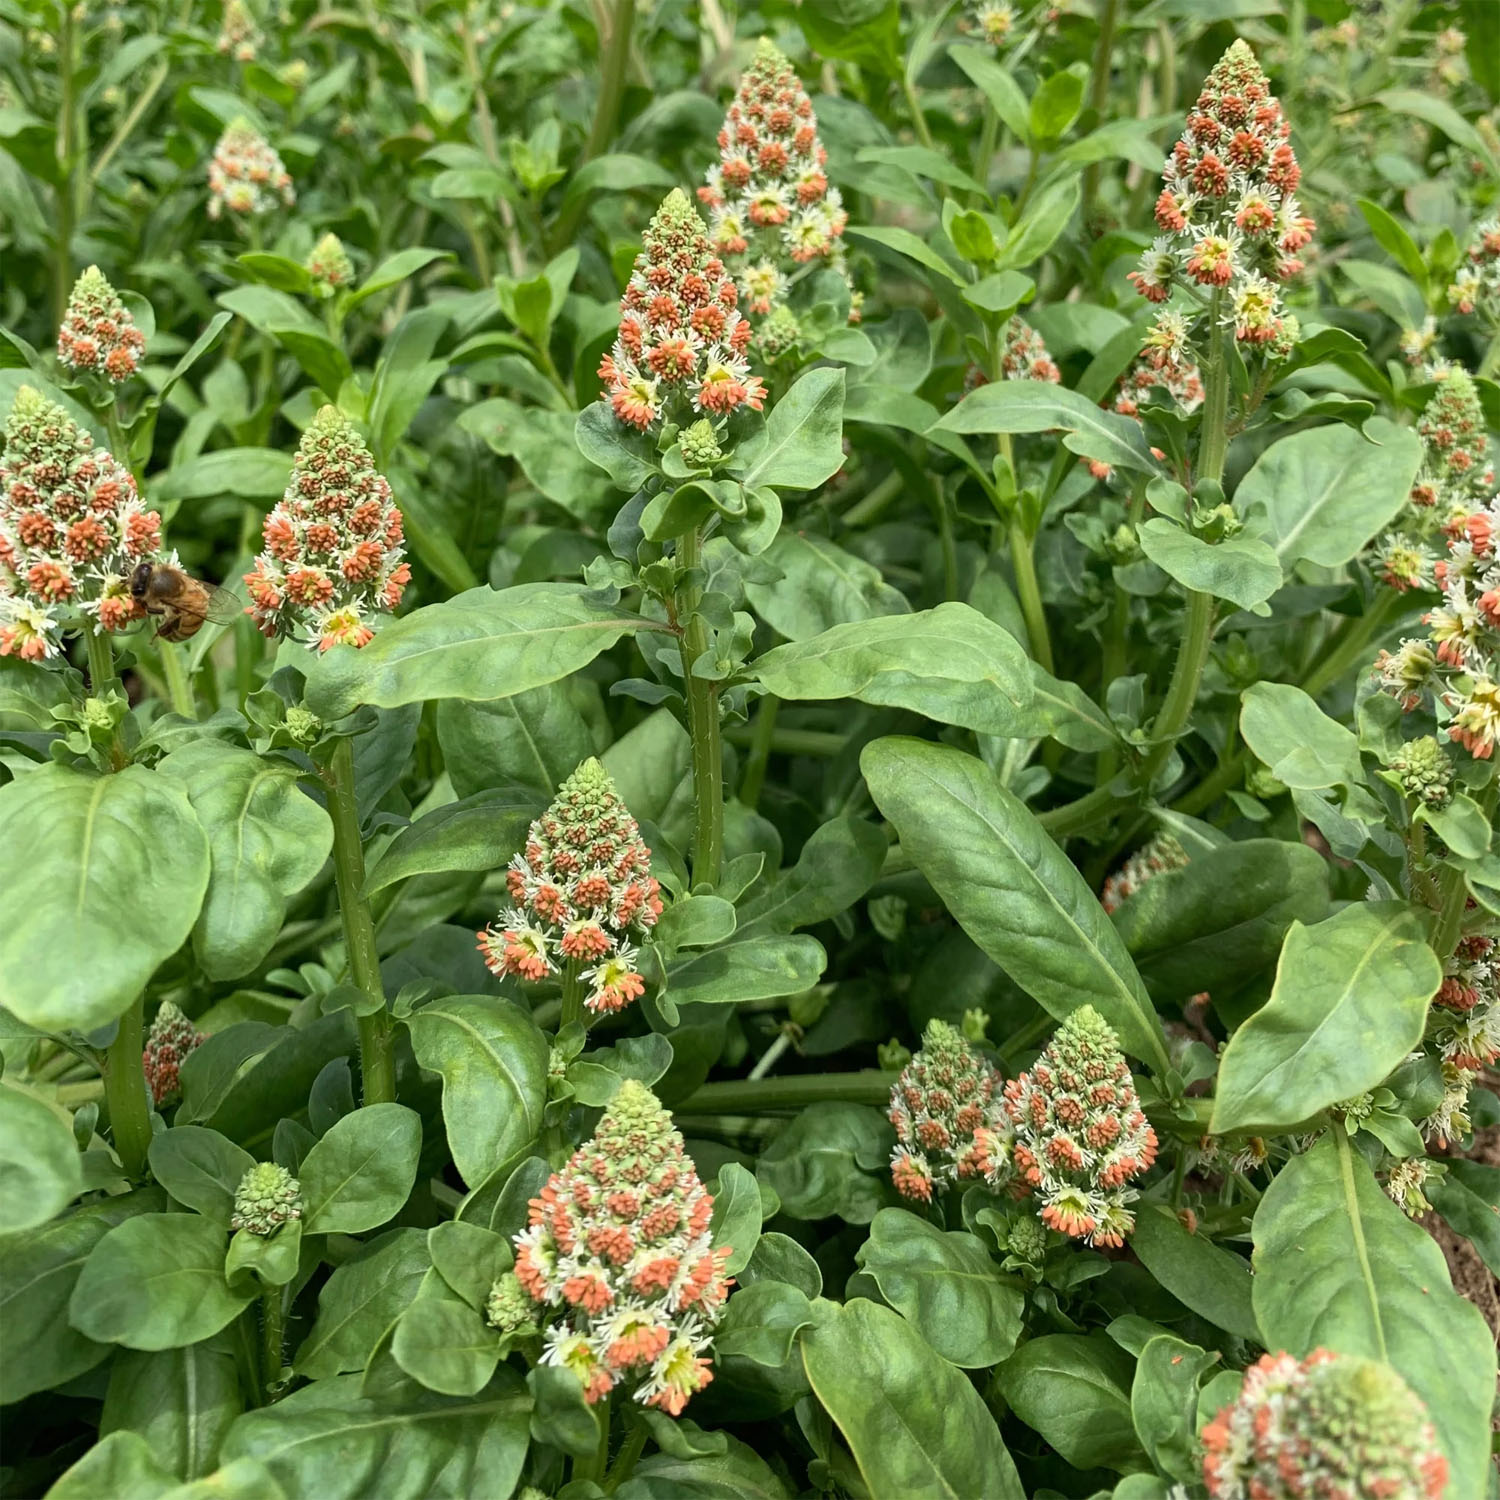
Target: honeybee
x: 181, y: 602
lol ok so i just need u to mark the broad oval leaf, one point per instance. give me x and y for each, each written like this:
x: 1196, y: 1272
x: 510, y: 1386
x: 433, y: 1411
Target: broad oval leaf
x: 361, y: 1172
x: 40, y: 1172
x: 1213, y: 1282
x: 483, y: 643
x: 946, y: 1286
x: 1297, y: 741
x: 950, y: 663
x: 1010, y: 887
x: 1241, y: 569
x: 493, y: 1063
x: 915, y: 1424
x: 266, y: 841
x: 444, y: 1343
x: 1338, y: 1266
x: 1349, y: 1002
x: 481, y: 832
x: 821, y: 586
x: 826, y: 1162
x: 1074, y: 1391
x: 201, y: 1169
x: 802, y: 443
x: 155, y: 1282
x: 361, y: 1300
x: 90, y: 904
x: 1329, y: 490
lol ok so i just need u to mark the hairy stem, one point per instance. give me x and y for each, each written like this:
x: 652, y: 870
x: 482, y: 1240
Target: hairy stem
x: 762, y: 741
x: 572, y: 994
x: 1104, y: 49
x: 272, y: 1317
x: 125, y: 1091
x: 1028, y: 591
x: 377, y: 1063
x: 703, y: 724
x: 1351, y: 638
x: 179, y: 687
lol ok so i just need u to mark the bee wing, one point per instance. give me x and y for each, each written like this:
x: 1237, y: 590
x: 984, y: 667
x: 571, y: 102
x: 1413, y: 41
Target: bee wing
x: 221, y: 608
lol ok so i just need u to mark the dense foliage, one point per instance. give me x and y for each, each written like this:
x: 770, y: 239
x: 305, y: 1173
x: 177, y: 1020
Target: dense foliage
x: 749, y: 753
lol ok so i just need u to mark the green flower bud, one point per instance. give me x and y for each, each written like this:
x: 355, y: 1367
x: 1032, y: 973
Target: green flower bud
x: 893, y: 1055
x: 303, y: 726
x: 1426, y: 772
x: 779, y: 333
x: 700, y: 445
x: 509, y: 1307
x: 1026, y: 1239
x: 268, y: 1197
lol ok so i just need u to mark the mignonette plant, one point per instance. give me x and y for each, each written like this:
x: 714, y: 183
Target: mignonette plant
x: 750, y: 751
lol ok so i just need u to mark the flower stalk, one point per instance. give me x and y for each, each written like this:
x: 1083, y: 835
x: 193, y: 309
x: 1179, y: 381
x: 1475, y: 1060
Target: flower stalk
x: 377, y: 1063
x: 702, y: 696
x: 125, y: 1091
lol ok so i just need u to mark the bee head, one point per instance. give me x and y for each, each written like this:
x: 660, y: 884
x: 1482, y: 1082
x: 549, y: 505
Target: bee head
x: 140, y: 580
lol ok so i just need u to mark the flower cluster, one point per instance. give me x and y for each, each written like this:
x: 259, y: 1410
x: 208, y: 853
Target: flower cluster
x: 72, y: 530
x: 945, y: 1110
x: 769, y: 201
x: 329, y: 267
x: 1464, y: 1031
x: 681, y: 334
x: 1164, y: 363
x: 268, y: 1197
x: 98, y: 332
x: 1025, y: 355
x: 1476, y: 286
x: 619, y: 1244
x: 582, y: 889
x: 1161, y: 854
x: 1228, y: 208
x: 171, y: 1038
x: 332, y: 554
x: 246, y: 176
x: 239, y: 36
x: 1080, y: 1135
x: 1332, y: 1425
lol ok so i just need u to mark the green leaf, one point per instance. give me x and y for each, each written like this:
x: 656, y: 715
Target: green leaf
x: 821, y: 586
x: 1468, y: 1198
x: 395, y: 269
x: 1240, y: 568
x: 445, y: 1344
x: 40, y: 1172
x: 294, y: 328
x: 180, y: 1400
x: 331, y: 1441
x: 479, y: 645
x: 840, y: 861
x: 1055, y: 105
x: 950, y: 663
x: 1063, y: 710
x: 695, y: 922
x: 201, y: 1169
x: 946, y: 1286
x: 1034, y: 406
x: 155, y: 1282
x: 1072, y: 1390
x: 122, y: 1466
x: 361, y: 1172
x: 802, y: 443
x: 998, y: 87
x: 616, y: 172
x: 1220, y: 920
x: 1164, y: 1404
x: 266, y: 842
x: 999, y: 293
x: 493, y: 1063
x: 1010, y: 887
x: 89, y: 907
x: 1213, y: 1282
x: 904, y: 242
x: 481, y: 832
x: 1350, y: 1001
x: 818, y: 1165
x: 1393, y: 238
x: 544, y: 443
x: 1299, y: 744
x: 921, y: 162
x: 247, y: 473
x: 532, y: 740
x: 1438, y: 112
x: 867, y: 32
x: 38, y: 1270
x: 469, y: 1258
x: 736, y: 1216
x: 1338, y: 1266
x: 748, y: 968
x: 627, y: 456
x: 761, y: 1322
x: 360, y: 1301
x: 736, y: 1473
x: 915, y: 1424
x: 1328, y: 491
x: 1041, y: 226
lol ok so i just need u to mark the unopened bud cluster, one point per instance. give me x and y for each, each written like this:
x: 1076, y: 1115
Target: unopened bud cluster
x: 1425, y: 771
x: 332, y: 559
x: 944, y: 1108
x: 246, y: 177
x: 1476, y: 286
x: 681, y: 348
x: 268, y: 1197
x: 239, y: 36
x: 582, y: 890
x: 1228, y: 209
x: 769, y: 201
x: 329, y: 267
x: 171, y: 1037
x: 98, y: 332
x: 72, y: 531
x: 1080, y: 1134
x: 1331, y: 1424
x: 1165, y: 363
x: 1161, y: 854
x: 618, y: 1252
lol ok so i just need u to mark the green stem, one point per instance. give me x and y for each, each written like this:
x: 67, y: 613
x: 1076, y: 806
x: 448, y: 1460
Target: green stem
x: 1491, y: 361
x: 272, y: 1315
x: 1352, y: 637
x: 1212, y: 787
x: 1079, y: 816
x: 761, y: 742
x: 102, y: 682
x: 179, y: 688
x: 703, y: 723
x: 746, y: 1096
x: 1099, y: 96
x: 625, y: 1460
x: 606, y: 113
x: 989, y: 138
x: 67, y: 145
x: 125, y: 1091
x: 1028, y: 591
x: 573, y: 989
x: 875, y: 500
x: 914, y: 106
x: 817, y: 742
x: 596, y: 1463
x: 377, y: 1062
